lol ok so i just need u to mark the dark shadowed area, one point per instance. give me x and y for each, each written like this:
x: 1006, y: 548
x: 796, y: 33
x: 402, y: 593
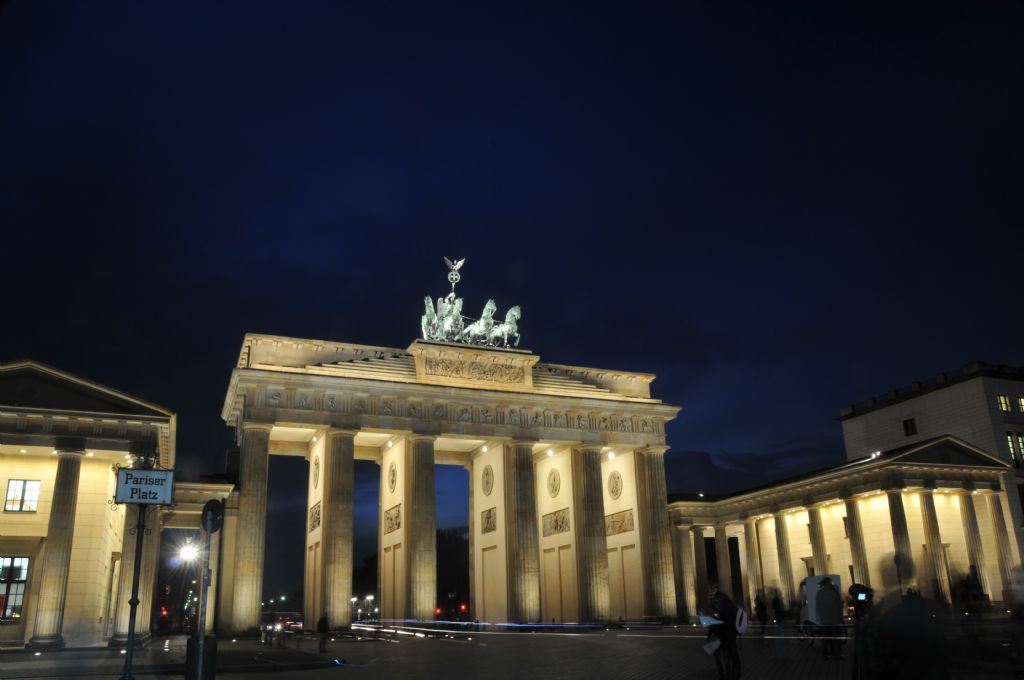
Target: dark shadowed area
x: 779, y: 209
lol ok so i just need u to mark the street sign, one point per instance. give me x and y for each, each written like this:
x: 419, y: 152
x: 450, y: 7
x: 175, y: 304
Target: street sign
x: 144, y: 487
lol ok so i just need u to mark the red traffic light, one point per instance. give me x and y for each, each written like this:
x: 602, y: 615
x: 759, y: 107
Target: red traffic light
x: 463, y: 607
x: 438, y: 611
x: 163, y: 611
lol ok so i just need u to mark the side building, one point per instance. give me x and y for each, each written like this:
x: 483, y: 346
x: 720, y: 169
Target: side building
x: 66, y: 559
x: 930, y: 496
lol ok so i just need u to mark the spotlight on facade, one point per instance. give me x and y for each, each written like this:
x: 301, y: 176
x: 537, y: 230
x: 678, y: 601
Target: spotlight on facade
x: 611, y: 455
x: 484, y: 449
x: 390, y: 443
x: 551, y: 452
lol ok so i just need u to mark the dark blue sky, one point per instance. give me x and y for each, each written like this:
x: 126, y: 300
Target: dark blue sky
x: 779, y: 209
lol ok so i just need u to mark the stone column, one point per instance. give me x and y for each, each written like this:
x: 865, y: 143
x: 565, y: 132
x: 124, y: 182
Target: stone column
x: 722, y: 560
x: 122, y: 610
x: 1003, y: 557
x: 754, y: 585
x: 422, y: 534
x: 252, y: 526
x: 933, y: 541
x: 785, y: 560
x: 972, y: 535
x: 655, y: 540
x: 700, y: 567
x: 53, y: 584
x: 901, y: 536
x: 472, y: 542
x: 336, y: 523
x: 211, y: 598
x: 818, y: 551
x: 521, y: 542
x: 858, y: 551
x: 147, y: 576
x: 591, y: 542
x: 686, y: 598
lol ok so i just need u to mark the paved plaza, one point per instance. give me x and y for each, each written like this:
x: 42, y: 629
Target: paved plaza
x: 649, y: 654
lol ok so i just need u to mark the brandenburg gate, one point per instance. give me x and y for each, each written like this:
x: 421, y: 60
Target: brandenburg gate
x: 568, y: 516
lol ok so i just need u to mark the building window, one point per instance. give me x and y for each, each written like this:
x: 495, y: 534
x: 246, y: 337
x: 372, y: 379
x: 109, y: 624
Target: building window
x: 22, y: 495
x: 1004, y: 403
x: 1013, y: 452
x: 13, y: 576
x: 909, y: 427
x: 1020, y: 449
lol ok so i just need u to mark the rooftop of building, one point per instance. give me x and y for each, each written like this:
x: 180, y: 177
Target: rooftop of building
x: 975, y: 369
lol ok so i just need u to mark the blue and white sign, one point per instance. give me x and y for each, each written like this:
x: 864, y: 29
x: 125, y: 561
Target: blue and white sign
x: 144, y: 487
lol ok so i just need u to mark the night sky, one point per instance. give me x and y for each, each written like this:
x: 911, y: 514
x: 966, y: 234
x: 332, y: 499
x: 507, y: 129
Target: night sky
x: 779, y: 208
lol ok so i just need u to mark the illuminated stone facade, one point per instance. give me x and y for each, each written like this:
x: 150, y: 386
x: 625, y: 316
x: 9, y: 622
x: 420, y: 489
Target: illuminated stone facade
x: 67, y: 555
x: 540, y: 441
x: 934, y: 476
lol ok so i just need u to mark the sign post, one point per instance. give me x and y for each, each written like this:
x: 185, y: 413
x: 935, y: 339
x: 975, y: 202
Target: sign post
x: 213, y: 516
x: 143, y: 487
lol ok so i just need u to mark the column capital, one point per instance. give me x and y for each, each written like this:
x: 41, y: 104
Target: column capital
x: 69, y: 452
x: 523, y: 441
x: 653, y: 450
x: 341, y: 432
x: 422, y: 437
x: 256, y: 426
x: 587, y: 446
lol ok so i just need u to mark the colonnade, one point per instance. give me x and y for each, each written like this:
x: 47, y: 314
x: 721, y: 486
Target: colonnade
x: 881, y: 559
x: 408, y: 559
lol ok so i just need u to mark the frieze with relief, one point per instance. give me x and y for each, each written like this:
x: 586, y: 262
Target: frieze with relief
x: 393, y: 519
x: 556, y: 522
x: 489, y: 520
x: 474, y: 370
x: 619, y: 523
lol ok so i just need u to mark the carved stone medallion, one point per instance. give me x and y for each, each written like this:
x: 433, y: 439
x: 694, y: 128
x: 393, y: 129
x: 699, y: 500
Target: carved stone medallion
x: 487, y: 480
x: 615, y: 484
x: 554, y: 483
x: 316, y: 470
x: 392, y: 476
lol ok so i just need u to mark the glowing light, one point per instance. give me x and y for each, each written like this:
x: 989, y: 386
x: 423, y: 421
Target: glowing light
x: 611, y: 455
x: 354, y: 600
x: 314, y: 439
x: 701, y: 494
x: 390, y: 443
x: 484, y: 449
x: 89, y: 454
x: 369, y: 597
x: 37, y: 653
x: 188, y: 552
x: 25, y: 451
x: 551, y: 452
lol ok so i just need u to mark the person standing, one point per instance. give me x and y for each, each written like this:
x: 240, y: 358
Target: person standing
x: 323, y: 627
x: 727, y: 656
x: 829, y: 606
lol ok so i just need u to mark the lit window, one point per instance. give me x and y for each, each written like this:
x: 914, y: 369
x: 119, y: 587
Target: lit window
x: 13, y: 576
x: 1004, y: 403
x: 22, y: 495
x: 1009, y: 445
x: 1020, y: 402
x: 1020, y: 449
x: 909, y: 427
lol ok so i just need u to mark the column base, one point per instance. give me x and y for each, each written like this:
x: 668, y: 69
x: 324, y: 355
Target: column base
x: 121, y: 641
x: 42, y: 643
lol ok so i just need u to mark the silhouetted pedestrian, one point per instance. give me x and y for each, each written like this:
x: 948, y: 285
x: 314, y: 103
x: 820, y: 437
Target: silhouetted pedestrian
x: 829, y: 605
x: 727, y: 656
x: 323, y: 626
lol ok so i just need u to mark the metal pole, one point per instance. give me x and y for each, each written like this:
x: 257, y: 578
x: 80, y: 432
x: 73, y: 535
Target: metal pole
x: 204, y: 581
x: 140, y: 531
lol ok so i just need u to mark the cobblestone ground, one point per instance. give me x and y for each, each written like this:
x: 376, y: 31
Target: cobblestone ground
x: 649, y: 654
x: 668, y: 654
